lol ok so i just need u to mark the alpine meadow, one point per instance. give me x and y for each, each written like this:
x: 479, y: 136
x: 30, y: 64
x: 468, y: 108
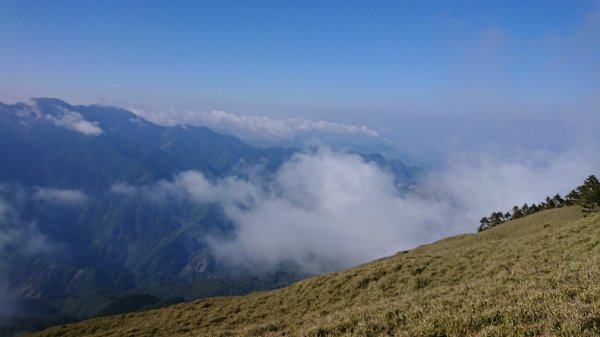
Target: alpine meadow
x: 299, y: 168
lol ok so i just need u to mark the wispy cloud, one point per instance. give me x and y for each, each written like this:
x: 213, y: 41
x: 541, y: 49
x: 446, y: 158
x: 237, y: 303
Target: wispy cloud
x: 73, y: 120
x: 60, y: 196
x: 123, y: 188
x: 65, y: 118
x: 13, y: 98
x: 278, y: 128
x: 6, y: 301
x: 18, y: 239
x: 267, y: 127
x: 477, y: 183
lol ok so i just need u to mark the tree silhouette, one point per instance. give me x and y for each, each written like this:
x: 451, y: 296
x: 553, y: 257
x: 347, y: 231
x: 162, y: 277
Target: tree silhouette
x: 558, y: 200
x: 485, y: 224
x: 516, y: 212
x: 587, y: 196
x: 572, y: 198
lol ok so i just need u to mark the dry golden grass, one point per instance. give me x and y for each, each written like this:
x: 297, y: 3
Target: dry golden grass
x: 536, y: 276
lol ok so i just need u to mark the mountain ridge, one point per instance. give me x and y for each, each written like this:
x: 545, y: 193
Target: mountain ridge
x: 99, y: 243
x: 148, y: 150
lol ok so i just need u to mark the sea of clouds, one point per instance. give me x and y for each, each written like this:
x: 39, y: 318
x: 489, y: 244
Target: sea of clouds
x: 324, y: 210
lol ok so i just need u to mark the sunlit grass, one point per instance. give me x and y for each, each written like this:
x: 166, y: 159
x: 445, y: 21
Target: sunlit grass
x: 535, y: 276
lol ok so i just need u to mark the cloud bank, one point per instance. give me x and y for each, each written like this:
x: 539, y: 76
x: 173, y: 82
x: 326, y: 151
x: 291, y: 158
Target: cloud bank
x: 326, y: 210
x: 268, y: 127
x: 280, y: 128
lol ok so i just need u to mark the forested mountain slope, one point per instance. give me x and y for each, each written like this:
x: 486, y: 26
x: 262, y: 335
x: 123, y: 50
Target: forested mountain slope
x: 89, y: 226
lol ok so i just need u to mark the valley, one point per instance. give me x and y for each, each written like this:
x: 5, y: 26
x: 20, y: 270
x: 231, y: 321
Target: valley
x: 102, y: 222
x: 532, y: 276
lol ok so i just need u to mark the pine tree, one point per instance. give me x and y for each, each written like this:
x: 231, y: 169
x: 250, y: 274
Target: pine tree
x: 549, y: 203
x: 534, y: 208
x: 589, y: 194
x: 572, y: 198
x: 485, y: 224
x: 558, y: 200
x: 497, y: 218
x: 516, y: 213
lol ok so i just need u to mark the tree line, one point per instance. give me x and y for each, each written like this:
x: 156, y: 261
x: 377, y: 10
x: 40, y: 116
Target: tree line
x: 586, y: 195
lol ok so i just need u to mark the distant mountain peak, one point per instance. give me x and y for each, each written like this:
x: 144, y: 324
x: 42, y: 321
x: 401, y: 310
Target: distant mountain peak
x: 50, y: 101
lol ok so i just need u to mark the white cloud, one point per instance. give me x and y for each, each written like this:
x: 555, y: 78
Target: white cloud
x: 60, y: 196
x: 478, y: 183
x: 67, y: 119
x: 268, y: 127
x: 329, y: 210
x: 278, y: 128
x: 322, y: 211
x: 326, y: 210
x: 74, y: 121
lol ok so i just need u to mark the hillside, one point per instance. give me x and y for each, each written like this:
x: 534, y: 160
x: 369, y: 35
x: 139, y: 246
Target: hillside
x: 535, y: 276
x: 84, y: 205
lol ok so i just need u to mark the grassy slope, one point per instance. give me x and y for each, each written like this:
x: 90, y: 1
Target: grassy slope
x: 536, y: 276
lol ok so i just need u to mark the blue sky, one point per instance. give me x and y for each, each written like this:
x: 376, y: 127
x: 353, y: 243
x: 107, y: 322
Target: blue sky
x: 426, y: 72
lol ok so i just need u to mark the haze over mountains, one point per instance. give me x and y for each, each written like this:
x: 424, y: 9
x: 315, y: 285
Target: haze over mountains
x: 102, y: 211
x: 96, y: 202
x: 192, y: 150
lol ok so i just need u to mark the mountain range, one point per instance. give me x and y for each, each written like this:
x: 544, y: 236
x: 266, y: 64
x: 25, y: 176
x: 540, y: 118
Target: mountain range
x: 77, y: 240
